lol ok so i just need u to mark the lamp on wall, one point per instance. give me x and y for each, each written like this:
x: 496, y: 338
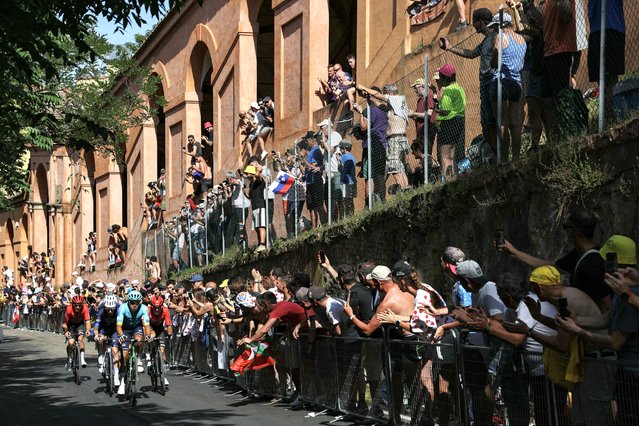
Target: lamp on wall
x: 17, y: 224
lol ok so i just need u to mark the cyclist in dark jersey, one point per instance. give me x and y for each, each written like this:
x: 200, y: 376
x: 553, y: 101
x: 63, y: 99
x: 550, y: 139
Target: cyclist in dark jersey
x: 106, y: 335
x: 75, y: 318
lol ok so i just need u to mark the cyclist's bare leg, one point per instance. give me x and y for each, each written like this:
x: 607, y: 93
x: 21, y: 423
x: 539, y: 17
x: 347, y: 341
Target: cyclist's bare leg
x: 70, y: 343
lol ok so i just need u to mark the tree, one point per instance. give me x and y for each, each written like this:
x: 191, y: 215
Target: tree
x: 47, y: 48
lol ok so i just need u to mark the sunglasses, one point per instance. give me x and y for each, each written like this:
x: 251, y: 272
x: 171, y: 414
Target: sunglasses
x: 134, y: 302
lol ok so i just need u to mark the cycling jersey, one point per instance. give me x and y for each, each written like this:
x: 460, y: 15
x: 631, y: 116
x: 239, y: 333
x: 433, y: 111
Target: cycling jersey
x: 129, y: 322
x: 71, y: 317
x: 105, y: 321
x: 163, y: 318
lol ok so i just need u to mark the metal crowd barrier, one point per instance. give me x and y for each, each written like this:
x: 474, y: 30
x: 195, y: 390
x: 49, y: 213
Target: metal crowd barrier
x: 403, y: 381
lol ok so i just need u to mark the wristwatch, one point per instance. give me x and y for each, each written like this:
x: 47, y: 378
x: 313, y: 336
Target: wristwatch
x: 398, y: 324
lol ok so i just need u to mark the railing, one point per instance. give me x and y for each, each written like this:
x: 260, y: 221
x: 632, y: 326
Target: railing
x: 403, y: 381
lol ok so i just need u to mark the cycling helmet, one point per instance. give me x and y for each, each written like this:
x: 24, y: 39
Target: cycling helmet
x: 111, y: 301
x: 134, y: 296
x: 77, y: 300
x: 157, y: 301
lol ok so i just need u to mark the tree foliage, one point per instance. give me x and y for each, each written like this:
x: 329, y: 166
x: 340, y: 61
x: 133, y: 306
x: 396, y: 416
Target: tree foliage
x: 62, y: 84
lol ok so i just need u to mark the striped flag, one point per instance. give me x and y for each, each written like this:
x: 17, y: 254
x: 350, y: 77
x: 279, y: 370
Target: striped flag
x: 282, y: 183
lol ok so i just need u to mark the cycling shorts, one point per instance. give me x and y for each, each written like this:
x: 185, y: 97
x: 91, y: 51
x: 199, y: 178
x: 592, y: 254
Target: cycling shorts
x: 160, y: 333
x: 111, y: 335
x: 130, y: 335
x: 76, y: 330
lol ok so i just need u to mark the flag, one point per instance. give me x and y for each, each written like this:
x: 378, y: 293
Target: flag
x: 16, y: 315
x: 253, y: 358
x: 282, y: 183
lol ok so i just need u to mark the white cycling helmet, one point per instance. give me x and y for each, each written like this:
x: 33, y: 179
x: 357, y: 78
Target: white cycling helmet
x: 110, y: 301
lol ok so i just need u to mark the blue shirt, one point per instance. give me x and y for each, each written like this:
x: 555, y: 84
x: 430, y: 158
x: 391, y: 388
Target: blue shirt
x: 512, y: 58
x: 378, y: 123
x: 461, y: 297
x: 104, y: 320
x: 128, y: 321
x: 625, y: 318
x: 314, y: 156
x: 348, y: 168
x: 614, y: 16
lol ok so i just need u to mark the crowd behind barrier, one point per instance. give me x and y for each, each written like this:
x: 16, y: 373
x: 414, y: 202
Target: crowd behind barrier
x: 547, y: 90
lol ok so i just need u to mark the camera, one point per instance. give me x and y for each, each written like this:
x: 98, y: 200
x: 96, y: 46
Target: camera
x: 152, y: 185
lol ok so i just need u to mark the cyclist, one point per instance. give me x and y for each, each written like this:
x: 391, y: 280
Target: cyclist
x: 106, y: 335
x: 132, y: 323
x: 75, y: 317
x: 160, y: 320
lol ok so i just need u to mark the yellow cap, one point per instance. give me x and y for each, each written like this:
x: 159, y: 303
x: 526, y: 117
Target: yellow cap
x: 545, y: 275
x: 250, y: 170
x: 625, y: 248
x: 225, y: 283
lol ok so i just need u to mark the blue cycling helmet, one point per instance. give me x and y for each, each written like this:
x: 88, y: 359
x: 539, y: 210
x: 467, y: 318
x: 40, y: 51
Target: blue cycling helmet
x: 134, y: 296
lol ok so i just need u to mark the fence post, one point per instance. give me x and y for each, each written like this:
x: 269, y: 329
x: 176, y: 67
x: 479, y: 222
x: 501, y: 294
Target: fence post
x: 370, y: 156
x: 499, y: 86
x: 266, y: 191
x: 206, y: 229
x: 329, y: 173
x: 297, y: 219
x: 426, y: 120
x: 188, y: 221
x: 222, y: 226
x: 602, y: 67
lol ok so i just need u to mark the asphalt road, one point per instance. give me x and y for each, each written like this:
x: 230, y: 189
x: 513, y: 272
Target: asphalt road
x: 35, y: 389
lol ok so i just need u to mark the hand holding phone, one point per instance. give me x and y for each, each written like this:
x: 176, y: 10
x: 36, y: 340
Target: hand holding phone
x: 500, y: 239
x: 563, y: 308
x: 611, y: 263
x: 322, y: 257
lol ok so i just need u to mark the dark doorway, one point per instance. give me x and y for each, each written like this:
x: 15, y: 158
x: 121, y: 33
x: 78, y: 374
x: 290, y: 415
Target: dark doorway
x: 342, y: 31
x: 264, y: 50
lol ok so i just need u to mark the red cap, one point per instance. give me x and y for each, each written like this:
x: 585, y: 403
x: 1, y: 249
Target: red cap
x: 208, y: 124
x: 447, y: 70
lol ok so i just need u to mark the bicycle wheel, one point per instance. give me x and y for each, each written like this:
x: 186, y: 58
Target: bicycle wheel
x: 160, y: 371
x: 76, y: 364
x: 153, y: 372
x: 108, y: 371
x: 133, y: 375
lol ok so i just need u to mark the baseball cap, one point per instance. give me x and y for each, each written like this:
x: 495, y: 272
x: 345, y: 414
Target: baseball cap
x: 110, y: 286
x: 344, y: 143
x: 545, y: 275
x: 316, y: 293
x: 301, y: 294
x: 255, y: 105
x: 447, y: 70
x: 402, y: 268
x: 436, y: 75
x: 74, y: 273
x: 324, y: 122
x: 380, y: 273
x: 79, y: 281
x: 452, y: 256
x: 469, y: 269
x: 507, y: 20
x: 418, y: 82
x: 196, y: 277
x: 250, y: 170
x: 135, y: 282
x: 225, y: 283
x: 625, y: 248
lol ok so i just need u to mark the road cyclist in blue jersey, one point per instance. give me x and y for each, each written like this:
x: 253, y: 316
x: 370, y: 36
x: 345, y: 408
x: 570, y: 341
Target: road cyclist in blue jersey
x: 132, y: 324
x: 106, y: 334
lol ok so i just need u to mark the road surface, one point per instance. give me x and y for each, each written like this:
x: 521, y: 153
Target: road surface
x: 35, y: 388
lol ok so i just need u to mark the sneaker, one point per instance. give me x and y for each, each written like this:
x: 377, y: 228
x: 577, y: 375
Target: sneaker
x: 101, y: 360
x: 461, y: 26
x: 101, y: 369
x: 166, y: 382
x: 67, y: 366
x: 260, y: 248
x: 263, y: 155
x: 116, y: 380
x: 121, y: 389
x: 140, y: 367
x: 83, y: 363
x: 80, y: 265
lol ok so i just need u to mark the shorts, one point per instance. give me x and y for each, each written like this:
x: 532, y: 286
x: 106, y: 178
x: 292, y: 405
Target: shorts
x: 315, y: 195
x: 349, y: 190
x: 206, y: 184
x: 123, y: 245
x: 76, y: 330
x: 130, y: 333
x: 160, y: 333
x: 615, y: 54
x: 486, y: 111
x: 556, y: 73
x: 265, y: 131
x: 177, y: 252
x: 395, y: 154
x: 534, y: 86
x: 510, y: 91
x: 259, y: 218
x: 335, y: 187
x: 112, y: 337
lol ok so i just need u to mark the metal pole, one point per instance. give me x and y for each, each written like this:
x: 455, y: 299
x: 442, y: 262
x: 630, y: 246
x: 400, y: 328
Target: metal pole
x: 602, y: 67
x: 188, y: 222
x: 222, y: 225
x: 244, y: 242
x: 155, y: 243
x: 499, y: 87
x: 426, y: 120
x: 206, y: 229
x: 370, y: 156
x: 166, y: 261
x: 266, y: 184
x: 329, y: 173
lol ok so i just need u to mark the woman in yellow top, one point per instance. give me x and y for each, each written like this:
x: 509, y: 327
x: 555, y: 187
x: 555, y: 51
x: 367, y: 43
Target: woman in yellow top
x: 451, y: 119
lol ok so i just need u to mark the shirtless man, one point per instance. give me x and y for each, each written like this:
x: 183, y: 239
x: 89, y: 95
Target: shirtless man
x: 207, y: 176
x: 153, y: 266
x: 401, y: 304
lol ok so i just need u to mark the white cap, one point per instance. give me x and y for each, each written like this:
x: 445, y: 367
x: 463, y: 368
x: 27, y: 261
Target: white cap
x: 79, y: 281
x: 99, y: 284
x: 380, y: 273
x: 47, y: 279
x: 324, y: 122
x: 74, y: 273
x: 255, y: 105
x: 110, y: 286
x: 135, y: 282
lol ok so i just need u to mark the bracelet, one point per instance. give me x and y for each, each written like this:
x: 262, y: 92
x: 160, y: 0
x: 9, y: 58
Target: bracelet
x: 351, y: 317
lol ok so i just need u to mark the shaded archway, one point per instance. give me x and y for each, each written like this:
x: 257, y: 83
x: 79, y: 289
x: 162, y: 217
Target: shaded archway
x: 201, y: 69
x: 264, y: 48
x: 9, y: 248
x: 342, y: 31
x: 159, y: 121
x: 40, y: 210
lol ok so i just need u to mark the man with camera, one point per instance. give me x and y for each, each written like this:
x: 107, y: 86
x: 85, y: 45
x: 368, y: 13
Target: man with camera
x: 313, y: 170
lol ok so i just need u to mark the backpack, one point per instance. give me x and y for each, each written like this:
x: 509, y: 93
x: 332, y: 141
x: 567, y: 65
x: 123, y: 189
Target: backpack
x: 572, y: 113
